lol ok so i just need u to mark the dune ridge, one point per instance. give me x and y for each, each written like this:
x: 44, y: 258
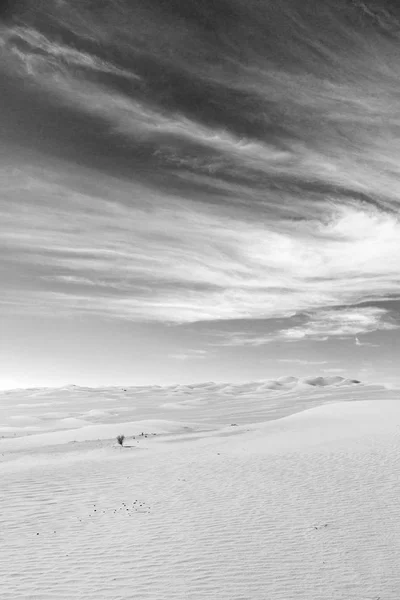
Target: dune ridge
x: 73, y: 410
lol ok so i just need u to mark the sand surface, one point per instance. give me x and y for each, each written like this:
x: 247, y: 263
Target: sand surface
x: 282, y: 490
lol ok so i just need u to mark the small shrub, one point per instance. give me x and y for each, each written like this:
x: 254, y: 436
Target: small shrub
x: 120, y: 439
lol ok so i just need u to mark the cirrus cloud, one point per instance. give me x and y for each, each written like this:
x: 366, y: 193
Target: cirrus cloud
x: 247, y: 189
x: 165, y: 260
x: 321, y: 325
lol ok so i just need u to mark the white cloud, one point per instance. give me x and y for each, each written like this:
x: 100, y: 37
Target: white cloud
x: 343, y: 323
x: 175, y: 261
x: 299, y: 361
x: 319, y: 326
x: 46, y: 58
x: 189, y: 354
x: 358, y: 343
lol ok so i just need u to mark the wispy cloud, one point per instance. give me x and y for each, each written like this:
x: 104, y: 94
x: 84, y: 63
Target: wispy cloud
x: 367, y: 165
x: 43, y: 57
x: 299, y: 361
x: 278, y: 197
x: 358, y: 343
x: 189, y: 354
x: 166, y: 260
x: 319, y: 326
x: 341, y: 323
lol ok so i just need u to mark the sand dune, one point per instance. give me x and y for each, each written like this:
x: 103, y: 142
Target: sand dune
x: 287, y: 492
x: 210, y: 403
x: 94, y: 432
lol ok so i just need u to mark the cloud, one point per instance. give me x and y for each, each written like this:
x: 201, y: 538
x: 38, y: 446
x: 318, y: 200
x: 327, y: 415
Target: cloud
x: 189, y: 354
x: 342, y: 323
x: 264, y: 191
x: 43, y: 57
x: 282, y: 157
x: 321, y: 325
x: 174, y: 261
x: 299, y: 361
x: 358, y: 343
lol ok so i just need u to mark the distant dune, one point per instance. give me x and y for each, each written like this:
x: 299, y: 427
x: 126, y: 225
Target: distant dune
x: 76, y: 409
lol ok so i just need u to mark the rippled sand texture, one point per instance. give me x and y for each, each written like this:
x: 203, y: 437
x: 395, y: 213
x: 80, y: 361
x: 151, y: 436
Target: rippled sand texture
x: 303, y: 507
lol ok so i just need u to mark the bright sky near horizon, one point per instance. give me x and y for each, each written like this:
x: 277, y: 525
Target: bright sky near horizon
x: 199, y: 190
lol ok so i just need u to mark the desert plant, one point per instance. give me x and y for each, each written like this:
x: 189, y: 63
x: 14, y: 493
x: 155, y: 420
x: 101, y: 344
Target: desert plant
x: 120, y: 439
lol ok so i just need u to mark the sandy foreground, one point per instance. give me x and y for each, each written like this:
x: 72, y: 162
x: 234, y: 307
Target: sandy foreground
x: 284, y: 490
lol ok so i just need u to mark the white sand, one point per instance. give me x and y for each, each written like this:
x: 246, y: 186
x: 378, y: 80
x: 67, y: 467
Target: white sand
x: 297, y: 501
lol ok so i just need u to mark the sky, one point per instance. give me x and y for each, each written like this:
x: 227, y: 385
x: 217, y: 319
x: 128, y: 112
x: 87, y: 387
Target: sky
x: 199, y: 190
